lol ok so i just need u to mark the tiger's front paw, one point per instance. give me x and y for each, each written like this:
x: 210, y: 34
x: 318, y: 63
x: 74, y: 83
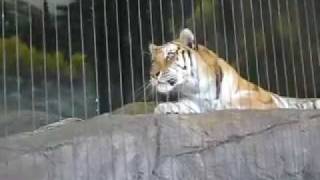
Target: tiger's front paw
x: 181, y: 107
x: 166, y: 108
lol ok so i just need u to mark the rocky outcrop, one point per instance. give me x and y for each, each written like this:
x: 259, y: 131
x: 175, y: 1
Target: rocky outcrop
x: 244, y: 145
x: 14, y: 122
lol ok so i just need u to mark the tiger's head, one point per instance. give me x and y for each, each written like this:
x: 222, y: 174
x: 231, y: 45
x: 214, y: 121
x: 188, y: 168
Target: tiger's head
x: 182, y: 65
x: 173, y: 63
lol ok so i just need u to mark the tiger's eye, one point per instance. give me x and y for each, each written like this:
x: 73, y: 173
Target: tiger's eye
x: 171, y: 56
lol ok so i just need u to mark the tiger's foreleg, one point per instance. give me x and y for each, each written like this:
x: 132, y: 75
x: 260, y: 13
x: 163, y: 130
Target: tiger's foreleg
x: 184, y: 106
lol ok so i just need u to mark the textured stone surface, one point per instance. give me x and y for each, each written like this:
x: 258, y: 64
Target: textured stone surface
x: 27, y: 121
x: 224, y: 145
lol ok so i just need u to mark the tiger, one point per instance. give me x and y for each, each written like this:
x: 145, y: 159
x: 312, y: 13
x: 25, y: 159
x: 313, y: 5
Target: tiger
x: 207, y: 82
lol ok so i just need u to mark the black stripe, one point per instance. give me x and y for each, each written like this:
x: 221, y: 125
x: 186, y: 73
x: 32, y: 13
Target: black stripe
x: 184, y: 60
x: 189, y: 54
x: 219, y: 77
x: 177, y: 51
x: 191, y: 63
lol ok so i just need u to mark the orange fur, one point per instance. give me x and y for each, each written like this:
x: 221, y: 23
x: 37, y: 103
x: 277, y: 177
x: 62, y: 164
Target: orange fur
x: 257, y: 97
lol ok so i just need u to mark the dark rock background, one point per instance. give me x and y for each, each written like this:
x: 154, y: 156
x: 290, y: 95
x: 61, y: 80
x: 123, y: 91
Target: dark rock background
x: 221, y: 145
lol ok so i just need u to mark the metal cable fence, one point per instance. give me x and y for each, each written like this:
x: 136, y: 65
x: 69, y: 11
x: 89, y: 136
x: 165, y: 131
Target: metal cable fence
x: 81, y: 58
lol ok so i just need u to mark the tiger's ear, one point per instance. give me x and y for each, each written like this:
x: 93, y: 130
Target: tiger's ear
x: 153, y: 48
x: 187, y: 38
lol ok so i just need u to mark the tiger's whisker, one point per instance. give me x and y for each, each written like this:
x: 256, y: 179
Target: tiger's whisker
x: 140, y: 91
x: 143, y: 87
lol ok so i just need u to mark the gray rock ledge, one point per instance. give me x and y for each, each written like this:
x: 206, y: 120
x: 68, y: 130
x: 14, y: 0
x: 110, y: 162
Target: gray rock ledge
x: 224, y: 145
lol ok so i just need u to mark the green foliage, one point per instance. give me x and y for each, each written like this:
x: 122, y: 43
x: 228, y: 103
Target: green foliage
x: 8, y: 50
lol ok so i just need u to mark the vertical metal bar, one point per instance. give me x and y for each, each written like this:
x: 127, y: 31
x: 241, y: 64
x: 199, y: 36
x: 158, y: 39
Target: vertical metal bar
x: 4, y: 62
x: 107, y: 54
x: 130, y: 52
x: 57, y: 62
x: 282, y: 48
x: 194, y: 29
x: 162, y: 34
x: 235, y: 35
x: 119, y: 53
x: 291, y: 49
x: 225, y: 32
x: 213, y: 5
x: 315, y: 22
x: 17, y: 59
x: 196, y: 41
x: 310, y: 49
x: 264, y: 45
x: 274, y: 48
x: 142, y: 57
x: 203, y: 24
x: 244, y: 39
x: 226, y: 51
x: 70, y: 63
x: 172, y: 20
x: 152, y: 41
x: 182, y: 14
x: 174, y: 32
x: 215, y: 27
x: 253, y: 26
x: 162, y: 23
x: 245, y: 45
x: 84, y: 79
x: 297, y: 15
x: 151, y: 21
x: 44, y: 50
x: 31, y: 66
x: 95, y: 56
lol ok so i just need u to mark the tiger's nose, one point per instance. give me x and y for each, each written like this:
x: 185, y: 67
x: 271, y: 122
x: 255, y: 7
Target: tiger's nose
x: 155, y: 75
x: 172, y: 81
